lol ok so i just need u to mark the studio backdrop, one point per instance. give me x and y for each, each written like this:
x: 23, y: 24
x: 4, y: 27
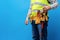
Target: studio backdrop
x: 12, y: 21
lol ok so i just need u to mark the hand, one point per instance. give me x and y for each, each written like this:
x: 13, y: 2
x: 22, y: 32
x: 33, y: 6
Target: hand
x: 46, y: 8
x: 26, y: 22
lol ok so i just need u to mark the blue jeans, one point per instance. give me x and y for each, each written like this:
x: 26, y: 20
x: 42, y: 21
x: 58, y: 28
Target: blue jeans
x: 38, y: 32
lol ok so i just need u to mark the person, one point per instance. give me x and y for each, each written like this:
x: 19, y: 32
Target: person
x: 38, y: 15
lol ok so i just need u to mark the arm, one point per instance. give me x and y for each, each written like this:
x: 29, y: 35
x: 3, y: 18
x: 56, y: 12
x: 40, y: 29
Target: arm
x: 53, y: 3
x: 29, y: 12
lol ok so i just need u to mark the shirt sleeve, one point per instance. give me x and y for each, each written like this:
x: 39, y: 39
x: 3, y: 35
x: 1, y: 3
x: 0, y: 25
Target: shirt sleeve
x: 29, y: 12
x: 53, y: 3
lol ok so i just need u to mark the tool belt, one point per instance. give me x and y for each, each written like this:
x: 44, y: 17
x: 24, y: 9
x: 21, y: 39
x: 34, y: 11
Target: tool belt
x: 39, y: 17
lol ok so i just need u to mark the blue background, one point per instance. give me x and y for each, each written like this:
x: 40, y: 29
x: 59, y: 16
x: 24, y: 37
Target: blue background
x: 12, y: 18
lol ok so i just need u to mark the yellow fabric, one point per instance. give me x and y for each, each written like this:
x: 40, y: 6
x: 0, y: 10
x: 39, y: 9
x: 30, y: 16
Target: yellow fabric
x: 37, y: 7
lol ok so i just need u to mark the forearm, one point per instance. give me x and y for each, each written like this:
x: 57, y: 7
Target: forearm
x: 54, y: 5
x: 29, y: 12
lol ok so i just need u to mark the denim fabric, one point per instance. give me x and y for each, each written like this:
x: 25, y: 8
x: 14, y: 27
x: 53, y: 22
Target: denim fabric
x: 38, y: 32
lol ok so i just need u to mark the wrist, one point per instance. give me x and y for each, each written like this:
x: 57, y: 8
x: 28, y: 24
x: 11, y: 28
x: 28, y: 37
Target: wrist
x: 27, y: 18
x: 48, y: 7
